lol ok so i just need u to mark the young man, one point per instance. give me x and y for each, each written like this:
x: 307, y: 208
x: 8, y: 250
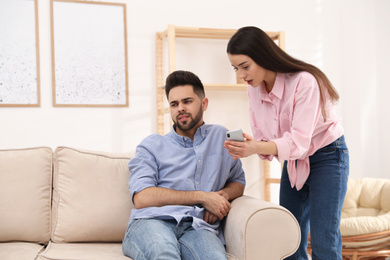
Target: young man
x: 181, y: 183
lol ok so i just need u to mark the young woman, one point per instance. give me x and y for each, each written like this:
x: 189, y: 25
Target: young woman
x: 292, y: 115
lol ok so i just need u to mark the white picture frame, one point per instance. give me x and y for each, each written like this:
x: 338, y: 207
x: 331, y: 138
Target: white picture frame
x: 19, y: 54
x: 89, y: 54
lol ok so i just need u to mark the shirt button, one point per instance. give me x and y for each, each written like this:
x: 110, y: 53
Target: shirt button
x: 198, y: 161
x: 274, y: 136
x: 197, y: 183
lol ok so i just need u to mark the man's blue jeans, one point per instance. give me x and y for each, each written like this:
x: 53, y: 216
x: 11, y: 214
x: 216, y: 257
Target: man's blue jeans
x: 317, y: 206
x: 149, y: 239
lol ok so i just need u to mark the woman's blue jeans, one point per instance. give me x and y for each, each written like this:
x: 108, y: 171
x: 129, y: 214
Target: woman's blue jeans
x: 317, y: 206
x: 149, y: 239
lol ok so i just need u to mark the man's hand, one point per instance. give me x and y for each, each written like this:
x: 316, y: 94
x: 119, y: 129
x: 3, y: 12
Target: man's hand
x: 210, y: 217
x: 216, y: 204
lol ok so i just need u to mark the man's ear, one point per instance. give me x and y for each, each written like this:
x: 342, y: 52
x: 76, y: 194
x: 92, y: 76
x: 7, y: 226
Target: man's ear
x: 205, y: 103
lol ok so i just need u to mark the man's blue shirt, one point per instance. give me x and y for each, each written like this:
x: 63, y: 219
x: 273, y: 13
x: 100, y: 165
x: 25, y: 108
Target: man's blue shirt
x: 176, y: 162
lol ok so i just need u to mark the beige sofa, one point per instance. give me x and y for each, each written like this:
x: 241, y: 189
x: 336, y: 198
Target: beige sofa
x: 74, y: 204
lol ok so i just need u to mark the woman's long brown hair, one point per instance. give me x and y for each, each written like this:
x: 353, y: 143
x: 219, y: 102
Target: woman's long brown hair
x: 256, y: 44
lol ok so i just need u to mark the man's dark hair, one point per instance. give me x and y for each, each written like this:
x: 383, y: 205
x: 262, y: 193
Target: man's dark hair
x: 181, y: 78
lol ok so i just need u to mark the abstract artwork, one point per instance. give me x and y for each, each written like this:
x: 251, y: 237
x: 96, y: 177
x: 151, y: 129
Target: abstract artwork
x: 89, y: 53
x: 19, y: 53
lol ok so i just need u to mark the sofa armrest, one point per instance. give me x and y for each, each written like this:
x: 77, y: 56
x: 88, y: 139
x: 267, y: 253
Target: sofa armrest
x: 256, y: 229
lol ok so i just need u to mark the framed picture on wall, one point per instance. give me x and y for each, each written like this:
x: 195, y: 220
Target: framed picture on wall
x: 89, y: 54
x: 19, y: 54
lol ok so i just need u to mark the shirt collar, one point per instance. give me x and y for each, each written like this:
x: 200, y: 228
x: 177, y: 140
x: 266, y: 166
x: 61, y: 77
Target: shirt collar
x: 199, y: 136
x: 277, y: 90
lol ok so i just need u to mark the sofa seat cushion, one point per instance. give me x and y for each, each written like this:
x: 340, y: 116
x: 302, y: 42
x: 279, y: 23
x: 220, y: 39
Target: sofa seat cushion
x: 19, y: 250
x: 91, y: 200
x: 83, y: 251
x: 25, y: 194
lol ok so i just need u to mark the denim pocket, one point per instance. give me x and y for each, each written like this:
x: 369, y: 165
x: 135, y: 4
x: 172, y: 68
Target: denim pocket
x: 326, y: 155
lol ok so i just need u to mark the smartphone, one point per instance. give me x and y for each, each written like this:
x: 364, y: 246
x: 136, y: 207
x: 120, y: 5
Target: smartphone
x: 235, y: 135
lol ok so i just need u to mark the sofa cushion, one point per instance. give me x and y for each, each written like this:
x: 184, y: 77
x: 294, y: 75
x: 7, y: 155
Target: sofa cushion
x: 19, y: 250
x: 91, y: 200
x: 25, y: 194
x: 83, y: 251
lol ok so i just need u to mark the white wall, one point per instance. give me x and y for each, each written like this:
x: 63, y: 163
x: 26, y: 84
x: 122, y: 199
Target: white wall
x: 347, y: 39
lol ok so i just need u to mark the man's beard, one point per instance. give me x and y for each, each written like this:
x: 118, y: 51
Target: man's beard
x: 193, y: 121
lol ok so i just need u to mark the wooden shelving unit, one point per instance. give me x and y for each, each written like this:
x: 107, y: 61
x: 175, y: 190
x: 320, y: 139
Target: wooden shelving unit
x: 173, y: 32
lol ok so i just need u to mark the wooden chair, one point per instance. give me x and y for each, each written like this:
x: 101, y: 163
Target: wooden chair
x: 379, y: 250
